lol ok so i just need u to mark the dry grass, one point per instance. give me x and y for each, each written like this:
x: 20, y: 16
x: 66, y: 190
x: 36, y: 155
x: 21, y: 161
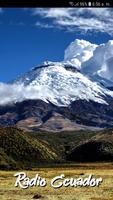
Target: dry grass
x: 103, y: 192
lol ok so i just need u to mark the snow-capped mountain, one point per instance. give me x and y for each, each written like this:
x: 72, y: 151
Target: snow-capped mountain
x: 84, y: 79
x: 57, y: 83
x: 86, y: 70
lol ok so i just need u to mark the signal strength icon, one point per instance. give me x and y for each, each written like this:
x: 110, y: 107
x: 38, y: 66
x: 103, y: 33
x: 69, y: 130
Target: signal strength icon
x: 89, y: 4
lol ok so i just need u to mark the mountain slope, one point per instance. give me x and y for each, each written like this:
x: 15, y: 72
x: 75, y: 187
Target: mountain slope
x: 34, y: 115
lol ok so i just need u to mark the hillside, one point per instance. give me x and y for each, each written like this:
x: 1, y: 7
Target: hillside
x: 19, y: 149
x: 97, y: 148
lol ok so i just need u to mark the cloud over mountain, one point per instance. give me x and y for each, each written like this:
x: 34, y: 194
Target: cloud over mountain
x: 12, y: 93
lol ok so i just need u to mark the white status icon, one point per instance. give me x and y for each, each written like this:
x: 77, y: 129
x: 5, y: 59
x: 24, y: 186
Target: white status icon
x: 89, y: 3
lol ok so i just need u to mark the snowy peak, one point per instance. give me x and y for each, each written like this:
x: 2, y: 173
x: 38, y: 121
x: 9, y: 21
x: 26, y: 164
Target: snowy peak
x: 90, y: 59
x: 83, y: 75
x: 57, y: 83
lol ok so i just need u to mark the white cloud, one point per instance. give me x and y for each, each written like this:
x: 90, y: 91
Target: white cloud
x: 12, y: 93
x: 51, y: 12
x: 43, y: 25
x: 78, y: 19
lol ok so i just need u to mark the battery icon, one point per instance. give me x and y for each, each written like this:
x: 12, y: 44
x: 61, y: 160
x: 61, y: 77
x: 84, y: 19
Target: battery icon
x: 89, y: 4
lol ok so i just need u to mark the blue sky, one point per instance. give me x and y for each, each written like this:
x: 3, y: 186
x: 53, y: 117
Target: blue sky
x: 30, y: 36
